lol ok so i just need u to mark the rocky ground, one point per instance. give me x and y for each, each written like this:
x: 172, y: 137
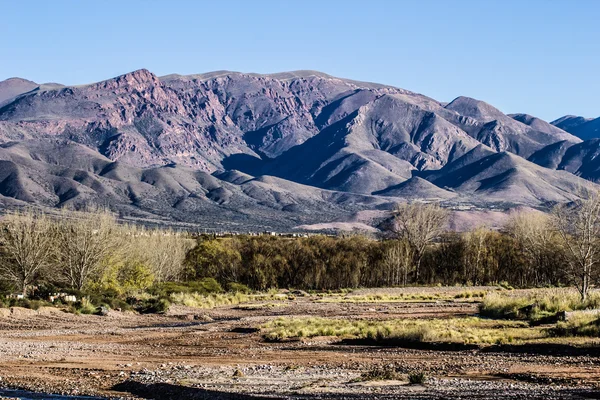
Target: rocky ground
x: 219, y: 354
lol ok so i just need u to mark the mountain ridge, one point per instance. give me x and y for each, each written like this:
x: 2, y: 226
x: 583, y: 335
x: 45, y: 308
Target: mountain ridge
x: 309, y: 132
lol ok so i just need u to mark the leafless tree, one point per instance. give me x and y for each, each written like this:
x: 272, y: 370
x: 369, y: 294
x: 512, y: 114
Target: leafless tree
x: 419, y: 225
x: 83, y: 240
x: 163, y: 251
x: 533, y: 231
x: 578, y: 229
x: 474, y: 254
x: 397, y: 262
x: 25, y: 247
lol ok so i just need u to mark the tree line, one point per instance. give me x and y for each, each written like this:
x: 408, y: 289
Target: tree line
x: 533, y: 249
x: 90, y: 250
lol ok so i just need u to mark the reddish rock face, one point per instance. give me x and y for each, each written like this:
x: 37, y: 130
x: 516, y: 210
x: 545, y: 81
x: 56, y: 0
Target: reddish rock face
x: 152, y: 140
x: 192, y: 120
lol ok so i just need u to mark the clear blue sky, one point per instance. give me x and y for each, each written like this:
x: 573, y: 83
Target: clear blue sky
x: 539, y: 57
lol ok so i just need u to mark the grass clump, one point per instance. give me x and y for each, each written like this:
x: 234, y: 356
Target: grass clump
x: 457, y: 330
x: 535, y: 306
x: 505, y: 285
x: 385, y: 373
x: 579, y: 324
x: 469, y: 295
x: 399, y: 298
x: 84, y: 306
x: 197, y: 300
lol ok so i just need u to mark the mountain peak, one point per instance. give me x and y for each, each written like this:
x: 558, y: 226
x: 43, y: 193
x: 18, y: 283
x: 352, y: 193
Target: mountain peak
x: 137, y: 79
x: 16, y: 79
x: 474, y: 108
x: 139, y: 76
x: 13, y: 87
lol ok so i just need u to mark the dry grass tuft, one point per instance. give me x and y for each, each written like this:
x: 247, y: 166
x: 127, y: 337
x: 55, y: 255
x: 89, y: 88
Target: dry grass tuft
x: 457, y: 330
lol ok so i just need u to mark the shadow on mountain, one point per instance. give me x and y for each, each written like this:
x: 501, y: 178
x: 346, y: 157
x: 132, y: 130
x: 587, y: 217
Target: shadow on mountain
x: 244, y: 163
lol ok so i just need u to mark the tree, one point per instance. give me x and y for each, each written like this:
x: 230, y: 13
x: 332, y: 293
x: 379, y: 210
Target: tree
x: 83, y: 241
x: 537, y: 239
x: 419, y: 225
x: 474, y: 256
x: 216, y: 258
x: 26, y: 245
x: 578, y: 228
x: 163, y: 251
x: 396, y: 261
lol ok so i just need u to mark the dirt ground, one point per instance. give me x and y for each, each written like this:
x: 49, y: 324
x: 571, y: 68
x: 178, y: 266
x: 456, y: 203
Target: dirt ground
x: 219, y: 354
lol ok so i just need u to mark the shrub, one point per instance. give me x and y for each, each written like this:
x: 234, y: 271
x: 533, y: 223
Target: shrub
x: 417, y: 378
x: 6, y: 288
x: 580, y: 324
x: 197, y: 300
x: 203, y: 286
x: 384, y: 373
x: 84, y: 306
x: 108, y: 298
x: 152, y: 305
x: 27, y: 303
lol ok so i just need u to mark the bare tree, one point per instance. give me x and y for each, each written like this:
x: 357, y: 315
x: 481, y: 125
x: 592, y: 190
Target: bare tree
x: 83, y: 241
x: 163, y: 251
x: 474, y: 255
x: 578, y: 228
x: 397, y: 262
x: 26, y: 245
x: 419, y: 225
x: 536, y: 237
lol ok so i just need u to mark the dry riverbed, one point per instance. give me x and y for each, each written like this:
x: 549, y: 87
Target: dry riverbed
x: 220, y: 354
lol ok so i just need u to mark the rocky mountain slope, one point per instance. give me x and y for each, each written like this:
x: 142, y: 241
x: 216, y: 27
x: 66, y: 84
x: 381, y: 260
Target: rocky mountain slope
x: 280, y: 150
x: 584, y: 128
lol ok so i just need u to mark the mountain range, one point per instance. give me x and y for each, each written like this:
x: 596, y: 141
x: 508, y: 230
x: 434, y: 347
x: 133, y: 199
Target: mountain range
x: 235, y: 151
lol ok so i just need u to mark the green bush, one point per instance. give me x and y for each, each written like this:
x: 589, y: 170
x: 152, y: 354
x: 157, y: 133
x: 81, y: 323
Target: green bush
x: 84, y: 306
x: 151, y: 305
x: 27, y: 303
x: 108, y: 298
x: 417, y: 378
x: 203, y: 286
x: 6, y: 288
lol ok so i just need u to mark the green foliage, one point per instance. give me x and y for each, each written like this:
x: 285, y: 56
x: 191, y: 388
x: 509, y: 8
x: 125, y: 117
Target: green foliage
x: 26, y: 303
x: 125, y: 277
x: 203, y: 286
x: 84, y: 306
x: 417, y: 378
x: 6, y: 288
x: 151, y: 305
x: 110, y: 298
